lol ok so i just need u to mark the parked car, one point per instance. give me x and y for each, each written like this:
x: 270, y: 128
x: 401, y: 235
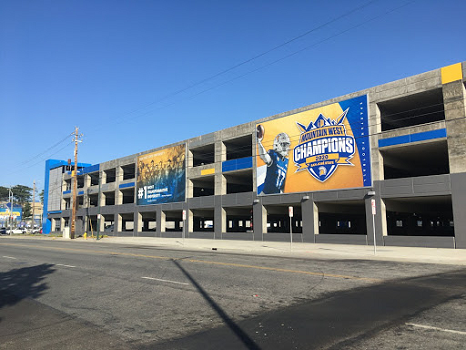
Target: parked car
x: 17, y: 231
x: 36, y: 230
x: 3, y: 231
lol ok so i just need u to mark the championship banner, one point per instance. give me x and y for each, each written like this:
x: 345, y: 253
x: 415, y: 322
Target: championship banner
x: 162, y: 176
x: 326, y: 148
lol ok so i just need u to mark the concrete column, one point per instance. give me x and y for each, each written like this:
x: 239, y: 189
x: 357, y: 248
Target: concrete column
x: 138, y: 224
x: 118, y: 174
x: 220, y: 185
x: 103, y: 177
x: 308, y: 212
x: 189, y: 189
x: 163, y: 219
x: 101, y: 223
x: 190, y: 220
x: 87, y: 181
x: 458, y: 202
x: 190, y: 161
x: 118, y: 223
x: 383, y: 217
x: 455, y: 119
x: 220, y: 180
x: 220, y: 152
x: 315, y: 212
x: 260, y: 221
x: 118, y: 197
x: 220, y: 222
x: 53, y: 225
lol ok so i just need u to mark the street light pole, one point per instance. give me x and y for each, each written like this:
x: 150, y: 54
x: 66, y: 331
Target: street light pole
x: 10, y: 195
x: 33, y: 202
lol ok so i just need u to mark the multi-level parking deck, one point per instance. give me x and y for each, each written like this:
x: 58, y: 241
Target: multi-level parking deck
x: 401, y: 144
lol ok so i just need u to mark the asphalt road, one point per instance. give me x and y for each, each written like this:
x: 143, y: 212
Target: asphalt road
x: 76, y: 295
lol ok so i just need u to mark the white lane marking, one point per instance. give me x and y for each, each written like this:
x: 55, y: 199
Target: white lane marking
x: 161, y: 280
x: 9, y: 257
x: 436, y: 328
x: 65, y: 265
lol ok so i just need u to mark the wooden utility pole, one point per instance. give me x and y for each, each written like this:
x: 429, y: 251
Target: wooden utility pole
x: 33, y: 202
x: 75, y: 184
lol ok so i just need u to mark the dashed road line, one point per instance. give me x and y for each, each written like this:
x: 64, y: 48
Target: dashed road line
x: 9, y: 257
x: 168, y: 281
x: 436, y: 328
x: 65, y: 265
x: 310, y: 273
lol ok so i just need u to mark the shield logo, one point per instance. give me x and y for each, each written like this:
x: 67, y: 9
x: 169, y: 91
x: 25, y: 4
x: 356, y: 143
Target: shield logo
x: 323, y: 146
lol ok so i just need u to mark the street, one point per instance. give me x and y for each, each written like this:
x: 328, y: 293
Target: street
x: 79, y: 295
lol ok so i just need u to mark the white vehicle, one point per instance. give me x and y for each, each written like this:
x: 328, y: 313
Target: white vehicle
x: 17, y: 231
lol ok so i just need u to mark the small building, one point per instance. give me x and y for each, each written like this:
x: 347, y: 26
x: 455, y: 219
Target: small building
x: 389, y: 159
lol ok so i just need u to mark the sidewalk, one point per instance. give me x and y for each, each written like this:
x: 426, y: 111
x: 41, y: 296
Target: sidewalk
x: 295, y: 250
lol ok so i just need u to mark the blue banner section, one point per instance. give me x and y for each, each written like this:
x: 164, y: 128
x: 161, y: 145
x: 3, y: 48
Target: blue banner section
x: 359, y: 123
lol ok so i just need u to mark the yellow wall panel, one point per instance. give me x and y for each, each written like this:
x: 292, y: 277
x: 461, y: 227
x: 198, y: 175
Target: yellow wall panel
x: 208, y: 171
x: 451, y: 73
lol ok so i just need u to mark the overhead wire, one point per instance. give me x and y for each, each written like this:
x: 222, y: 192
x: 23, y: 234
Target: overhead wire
x: 43, y: 152
x: 296, y: 136
x: 216, y: 75
x: 261, y: 55
x: 275, y: 61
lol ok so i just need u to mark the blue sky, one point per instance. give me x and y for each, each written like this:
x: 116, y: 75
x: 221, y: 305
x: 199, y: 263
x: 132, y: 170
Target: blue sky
x: 136, y: 75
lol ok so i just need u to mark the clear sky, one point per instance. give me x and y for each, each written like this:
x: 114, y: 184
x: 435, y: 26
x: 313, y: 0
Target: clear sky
x: 136, y: 75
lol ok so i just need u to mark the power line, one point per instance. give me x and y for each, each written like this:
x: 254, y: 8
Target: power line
x: 216, y: 75
x: 294, y: 137
x: 43, y: 152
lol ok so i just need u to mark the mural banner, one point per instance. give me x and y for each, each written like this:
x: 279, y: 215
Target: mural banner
x: 162, y: 176
x: 5, y: 213
x: 326, y: 148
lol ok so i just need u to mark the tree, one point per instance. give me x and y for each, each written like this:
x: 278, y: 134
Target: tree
x: 22, y: 194
x: 27, y: 212
x: 41, y: 195
x: 4, y: 191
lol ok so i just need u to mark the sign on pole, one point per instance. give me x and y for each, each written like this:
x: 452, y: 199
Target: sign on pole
x: 373, y: 221
x: 184, y: 224
x: 290, y: 214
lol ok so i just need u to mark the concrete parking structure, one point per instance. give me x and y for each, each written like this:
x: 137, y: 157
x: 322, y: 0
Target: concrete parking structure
x: 388, y: 159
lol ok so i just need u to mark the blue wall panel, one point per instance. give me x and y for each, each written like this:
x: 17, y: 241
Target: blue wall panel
x: 237, y: 164
x: 421, y: 136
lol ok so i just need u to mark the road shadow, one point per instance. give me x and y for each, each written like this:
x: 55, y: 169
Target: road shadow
x: 240, y: 335
x: 336, y: 320
x: 25, y: 282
